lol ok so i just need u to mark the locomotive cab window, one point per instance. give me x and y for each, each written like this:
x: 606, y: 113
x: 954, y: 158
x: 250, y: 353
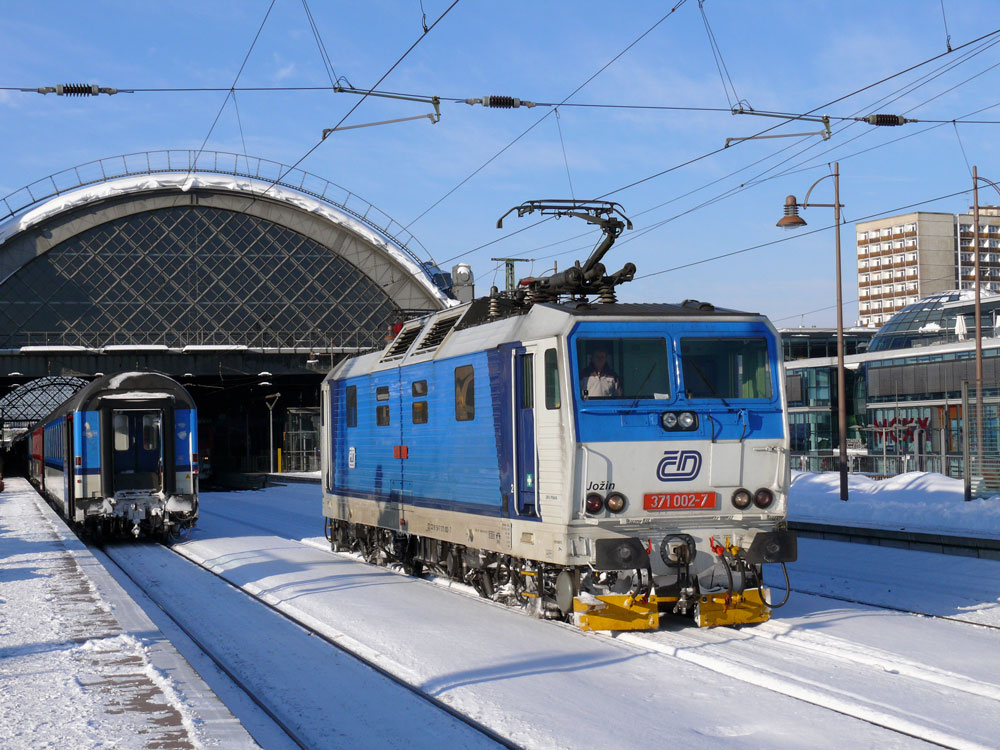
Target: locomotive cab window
x: 726, y: 368
x: 627, y: 368
x: 465, y: 394
x: 382, y: 415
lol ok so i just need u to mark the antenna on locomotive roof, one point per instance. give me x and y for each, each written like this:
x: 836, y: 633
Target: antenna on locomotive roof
x: 591, y: 278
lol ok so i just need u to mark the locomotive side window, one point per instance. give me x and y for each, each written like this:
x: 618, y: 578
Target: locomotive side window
x: 726, y: 368
x: 382, y: 415
x: 351, y: 405
x: 465, y: 394
x: 551, y: 380
x: 528, y: 379
x: 120, y: 426
x: 382, y: 393
x: 419, y: 388
x: 419, y: 412
x: 623, y: 368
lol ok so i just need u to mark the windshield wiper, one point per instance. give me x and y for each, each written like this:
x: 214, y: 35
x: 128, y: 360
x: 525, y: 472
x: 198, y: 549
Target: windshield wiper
x: 707, y: 382
x: 643, y: 385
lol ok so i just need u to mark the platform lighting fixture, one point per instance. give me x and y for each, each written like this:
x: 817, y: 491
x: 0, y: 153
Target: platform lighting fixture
x: 15, y: 374
x: 792, y: 220
x: 313, y: 358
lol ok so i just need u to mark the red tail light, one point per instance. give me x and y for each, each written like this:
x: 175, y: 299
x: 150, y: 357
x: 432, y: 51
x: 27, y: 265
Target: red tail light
x: 79, y: 460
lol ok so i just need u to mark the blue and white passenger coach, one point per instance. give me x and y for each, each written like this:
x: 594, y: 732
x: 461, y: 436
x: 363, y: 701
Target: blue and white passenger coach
x: 603, y: 461
x: 120, y: 456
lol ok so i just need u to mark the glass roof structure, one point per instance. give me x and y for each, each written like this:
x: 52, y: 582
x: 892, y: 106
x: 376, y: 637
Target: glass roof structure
x: 940, y: 318
x: 181, y: 260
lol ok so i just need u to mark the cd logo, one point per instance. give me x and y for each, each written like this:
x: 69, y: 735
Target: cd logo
x: 678, y: 466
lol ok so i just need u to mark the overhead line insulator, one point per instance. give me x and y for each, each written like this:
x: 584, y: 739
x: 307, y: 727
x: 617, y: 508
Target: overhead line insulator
x: 501, y: 102
x: 77, y: 89
x: 886, y: 120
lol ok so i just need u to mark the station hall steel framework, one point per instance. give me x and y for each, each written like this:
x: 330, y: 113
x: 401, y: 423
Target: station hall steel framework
x: 236, y: 275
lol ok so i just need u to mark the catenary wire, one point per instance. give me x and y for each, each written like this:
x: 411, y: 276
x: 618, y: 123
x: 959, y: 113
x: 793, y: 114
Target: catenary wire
x: 539, y: 120
x: 237, y: 78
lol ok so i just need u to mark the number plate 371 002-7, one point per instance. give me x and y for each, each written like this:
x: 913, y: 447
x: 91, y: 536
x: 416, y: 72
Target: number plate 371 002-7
x: 680, y: 501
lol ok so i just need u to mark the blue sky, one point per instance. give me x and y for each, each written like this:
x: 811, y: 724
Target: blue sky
x: 781, y: 56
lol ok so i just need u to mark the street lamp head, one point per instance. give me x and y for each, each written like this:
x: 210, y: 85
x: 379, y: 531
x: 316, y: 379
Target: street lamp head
x: 791, y: 219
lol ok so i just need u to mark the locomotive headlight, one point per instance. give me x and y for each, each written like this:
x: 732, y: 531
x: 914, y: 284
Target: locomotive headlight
x: 763, y: 498
x: 687, y: 420
x: 741, y: 498
x: 669, y: 420
x: 615, y: 502
x: 594, y: 502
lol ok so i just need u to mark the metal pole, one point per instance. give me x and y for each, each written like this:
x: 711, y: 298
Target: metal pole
x: 841, y: 376
x: 979, y: 324
x: 965, y: 440
x: 271, y: 401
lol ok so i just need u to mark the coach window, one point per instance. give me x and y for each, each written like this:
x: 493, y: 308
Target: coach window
x: 465, y: 394
x: 351, y: 405
x: 120, y: 426
x: 150, y: 432
x: 551, y: 380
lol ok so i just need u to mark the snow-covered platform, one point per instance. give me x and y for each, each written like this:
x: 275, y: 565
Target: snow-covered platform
x: 82, y: 665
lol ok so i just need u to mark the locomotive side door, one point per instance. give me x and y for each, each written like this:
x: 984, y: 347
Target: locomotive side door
x: 137, y: 449
x: 524, y: 433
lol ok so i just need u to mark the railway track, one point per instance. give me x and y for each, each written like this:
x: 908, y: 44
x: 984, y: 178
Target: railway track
x: 123, y: 558
x: 845, y: 677
x: 288, y: 731
x: 848, y: 678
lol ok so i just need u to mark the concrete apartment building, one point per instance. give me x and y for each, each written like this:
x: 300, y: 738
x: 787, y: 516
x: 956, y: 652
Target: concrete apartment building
x: 904, y: 258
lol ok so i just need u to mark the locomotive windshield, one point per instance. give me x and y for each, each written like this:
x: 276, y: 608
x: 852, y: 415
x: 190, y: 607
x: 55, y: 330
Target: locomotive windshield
x: 726, y: 368
x: 623, y: 368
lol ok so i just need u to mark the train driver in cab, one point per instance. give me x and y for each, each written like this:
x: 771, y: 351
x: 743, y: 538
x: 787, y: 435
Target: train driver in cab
x: 599, y: 380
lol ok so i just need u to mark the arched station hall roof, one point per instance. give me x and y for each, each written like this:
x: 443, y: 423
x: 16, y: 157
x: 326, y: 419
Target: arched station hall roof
x: 172, y: 249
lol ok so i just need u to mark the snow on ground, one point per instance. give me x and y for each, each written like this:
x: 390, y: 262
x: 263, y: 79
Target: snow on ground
x: 917, y: 501
x: 542, y: 684
x: 80, y: 665
x: 916, y: 674
x: 816, y: 666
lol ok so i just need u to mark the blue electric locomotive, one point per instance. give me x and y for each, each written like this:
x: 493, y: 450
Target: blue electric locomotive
x: 120, y: 456
x: 600, y: 461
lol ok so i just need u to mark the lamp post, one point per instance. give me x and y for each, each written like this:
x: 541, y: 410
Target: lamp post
x: 271, y: 400
x: 979, y: 314
x: 792, y: 220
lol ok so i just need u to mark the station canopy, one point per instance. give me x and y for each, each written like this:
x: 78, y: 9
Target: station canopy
x: 176, y: 249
